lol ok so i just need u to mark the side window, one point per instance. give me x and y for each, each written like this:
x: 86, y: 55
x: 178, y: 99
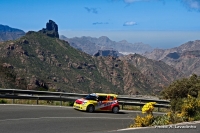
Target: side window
x: 111, y: 98
x: 102, y: 98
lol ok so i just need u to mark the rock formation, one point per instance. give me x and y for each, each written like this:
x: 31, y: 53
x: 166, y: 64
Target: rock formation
x: 51, y: 29
x: 107, y: 53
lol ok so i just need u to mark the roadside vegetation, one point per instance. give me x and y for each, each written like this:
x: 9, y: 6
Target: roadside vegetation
x: 185, y: 104
x: 34, y: 102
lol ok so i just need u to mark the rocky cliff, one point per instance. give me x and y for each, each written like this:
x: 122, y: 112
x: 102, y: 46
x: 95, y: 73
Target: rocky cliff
x: 184, y: 58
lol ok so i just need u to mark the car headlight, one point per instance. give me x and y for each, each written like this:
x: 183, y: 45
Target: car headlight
x: 84, y: 102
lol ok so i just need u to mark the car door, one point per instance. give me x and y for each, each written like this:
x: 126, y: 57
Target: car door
x: 101, y: 103
x: 110, y: 102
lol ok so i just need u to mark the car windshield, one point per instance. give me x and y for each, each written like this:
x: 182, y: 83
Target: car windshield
x: 91, y: 97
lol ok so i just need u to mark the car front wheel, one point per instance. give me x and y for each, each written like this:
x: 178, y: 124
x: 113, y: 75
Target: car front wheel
x: 115, y: 109
x: 90, y: 108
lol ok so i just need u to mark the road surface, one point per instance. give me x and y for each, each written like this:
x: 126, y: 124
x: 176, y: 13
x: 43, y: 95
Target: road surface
x: 56, y: 119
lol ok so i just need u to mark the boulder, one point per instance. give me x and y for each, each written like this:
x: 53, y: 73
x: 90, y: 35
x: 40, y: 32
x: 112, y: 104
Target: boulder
x: 7, y: 65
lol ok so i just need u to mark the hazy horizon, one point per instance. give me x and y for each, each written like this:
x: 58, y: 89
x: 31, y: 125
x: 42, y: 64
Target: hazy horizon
x: 159, y: 23
x: 156, y: 39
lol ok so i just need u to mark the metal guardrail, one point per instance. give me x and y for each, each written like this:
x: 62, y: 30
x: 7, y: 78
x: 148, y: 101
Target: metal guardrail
x: 62, y: 96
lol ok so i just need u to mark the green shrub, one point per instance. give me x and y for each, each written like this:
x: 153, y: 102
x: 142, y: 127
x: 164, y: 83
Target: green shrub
x: 162, y: 120
x: 190, y: 109
x: 183, y: 95
x: 176, y: 104
x: 181, y: 88
x: 2, y: 101
x: 71, y: 103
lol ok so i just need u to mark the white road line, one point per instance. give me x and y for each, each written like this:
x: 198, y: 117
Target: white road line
x: 39, y: 118
x: 69, y: 107
x: 53, y: 106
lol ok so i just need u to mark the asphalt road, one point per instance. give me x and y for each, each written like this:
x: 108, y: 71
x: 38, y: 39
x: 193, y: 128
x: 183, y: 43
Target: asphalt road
x: 49, y: 119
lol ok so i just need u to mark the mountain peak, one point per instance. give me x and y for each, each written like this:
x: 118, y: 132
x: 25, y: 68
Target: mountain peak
x: 104, y: 37
x: 51, y: 29
x: 123, y: 41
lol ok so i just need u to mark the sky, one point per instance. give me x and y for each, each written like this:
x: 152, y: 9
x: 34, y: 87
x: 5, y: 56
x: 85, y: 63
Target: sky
x: 159, y: 23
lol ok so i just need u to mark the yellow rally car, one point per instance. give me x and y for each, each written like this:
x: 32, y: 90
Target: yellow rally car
x: 98, y: 102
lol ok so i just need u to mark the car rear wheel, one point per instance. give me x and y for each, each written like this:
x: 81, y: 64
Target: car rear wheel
x: 115, y: 109
x: 90, y: 108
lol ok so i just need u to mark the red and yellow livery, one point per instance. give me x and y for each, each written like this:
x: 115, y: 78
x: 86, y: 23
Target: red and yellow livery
x: 98, y: 102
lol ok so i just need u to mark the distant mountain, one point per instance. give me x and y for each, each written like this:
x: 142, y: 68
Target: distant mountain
x: 91, y: 45
x: 184, y: 58
x: 8, y: 33
x: 159, y: 54
x: 157, y: 72
x: 41, y: 61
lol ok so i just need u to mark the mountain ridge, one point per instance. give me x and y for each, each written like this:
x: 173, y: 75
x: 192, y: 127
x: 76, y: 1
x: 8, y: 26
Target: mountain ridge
x: 184, y: 58
x: 91, y: 45
x: 39, y: 61
x: 8, y: 33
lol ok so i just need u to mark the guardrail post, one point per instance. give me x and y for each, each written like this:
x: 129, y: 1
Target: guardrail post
x: 37, y: 100
x: 158, y: 109
x: 60, y: 100
x: 122, y: 106
x: 13, y: 100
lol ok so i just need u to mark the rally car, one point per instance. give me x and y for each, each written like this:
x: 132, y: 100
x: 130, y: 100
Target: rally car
x: 98, y: 102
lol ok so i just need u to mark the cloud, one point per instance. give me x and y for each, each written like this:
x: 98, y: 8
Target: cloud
x: 95, y: 23
x: 92, y: 10
x: 129, y: 23
x: 192, y: 4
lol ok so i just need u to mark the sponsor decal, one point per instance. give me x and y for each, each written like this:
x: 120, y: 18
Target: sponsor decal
x: 102, y: 105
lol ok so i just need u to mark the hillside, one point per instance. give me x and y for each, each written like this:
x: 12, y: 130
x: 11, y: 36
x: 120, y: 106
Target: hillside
x: 41, y: 61
x: 8, y: 33
x: 138, y: 73
x: 158, y: 73
x: 184, y: 58
x: 91, y: 45
x: 45, y: 62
